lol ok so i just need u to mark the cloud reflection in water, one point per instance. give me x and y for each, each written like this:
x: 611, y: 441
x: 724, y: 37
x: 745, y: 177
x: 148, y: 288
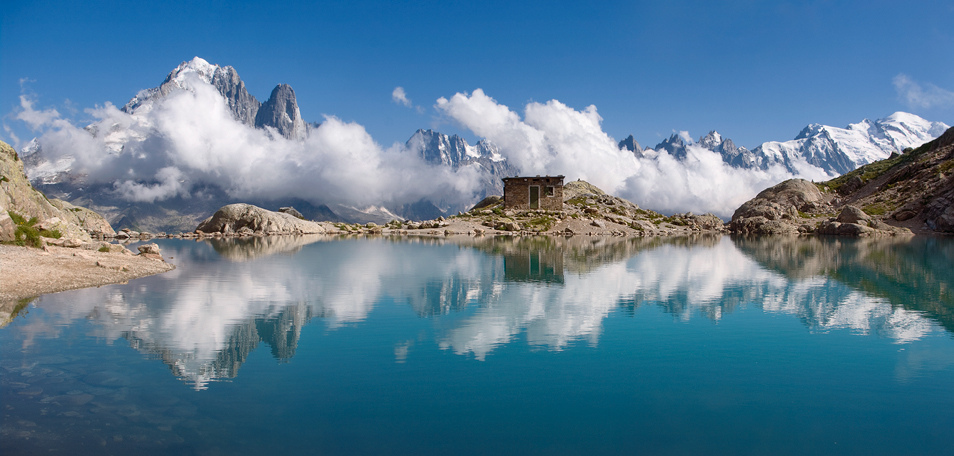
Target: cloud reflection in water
x: 227, y: 296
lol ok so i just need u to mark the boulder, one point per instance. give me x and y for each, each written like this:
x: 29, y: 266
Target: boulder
x: 904, y: 215
x: 776, y: 208
x: 7, y: 227
x: 291, y: 211
x: 851, y: 214
x: 844, y: 229
x: 233, y: 218
x: 150, y: 251
x: 87, y: 219
x: 487, y: 202
x: 945, y: 222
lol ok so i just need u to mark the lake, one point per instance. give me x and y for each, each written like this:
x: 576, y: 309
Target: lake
x: 583, y: 345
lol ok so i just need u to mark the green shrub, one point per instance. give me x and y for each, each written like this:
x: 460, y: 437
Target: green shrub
x: 543, y: 223
x: 52, y: 234
x: 25, y: 234
x: 104, y: 249
x: 875, y: 209
x: 578, y: 201
x: 946, y: 166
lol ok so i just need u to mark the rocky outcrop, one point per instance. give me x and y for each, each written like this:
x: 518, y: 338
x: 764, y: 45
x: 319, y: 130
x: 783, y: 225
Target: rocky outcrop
x: 907, y: 193
x: 89, y: 220
x: 587, y: 210
x: 17, y: 195
x: 246, y: 219
x: 776, y: 209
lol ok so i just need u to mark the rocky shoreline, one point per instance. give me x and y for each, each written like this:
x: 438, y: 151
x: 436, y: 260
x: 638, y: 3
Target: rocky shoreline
x: 29, y: 272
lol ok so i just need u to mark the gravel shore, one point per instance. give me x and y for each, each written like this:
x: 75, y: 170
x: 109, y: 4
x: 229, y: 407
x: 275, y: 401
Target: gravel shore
x: 28, y: 272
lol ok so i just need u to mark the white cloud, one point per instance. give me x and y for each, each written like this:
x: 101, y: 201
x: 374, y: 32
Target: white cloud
x: 553, y: 139
x: 916, y: 95
x: 35, y: 119
x: 189, y: 137
x: 399, y: 97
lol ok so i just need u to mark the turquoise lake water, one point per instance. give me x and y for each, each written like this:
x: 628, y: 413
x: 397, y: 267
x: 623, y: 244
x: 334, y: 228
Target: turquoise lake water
x: 585, y: 345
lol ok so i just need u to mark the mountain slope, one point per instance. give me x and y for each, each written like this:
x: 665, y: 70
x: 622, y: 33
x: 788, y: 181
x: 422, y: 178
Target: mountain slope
x: 909, y: 192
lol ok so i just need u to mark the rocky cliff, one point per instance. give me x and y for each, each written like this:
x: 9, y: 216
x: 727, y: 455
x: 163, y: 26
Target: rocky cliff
x: 17, y: 196
x: 912, y: 192
x: 281, y: 112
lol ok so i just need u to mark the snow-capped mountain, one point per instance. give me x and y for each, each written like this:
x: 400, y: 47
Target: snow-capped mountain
x: 280, y: 111
x: 453, y: 151
x: 736, y: 156
x: 176, y: 152
x: 839, y: 150
x: 831, y: 150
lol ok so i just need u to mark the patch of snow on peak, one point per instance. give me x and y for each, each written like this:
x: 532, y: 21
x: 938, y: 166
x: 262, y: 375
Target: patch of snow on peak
x: 197, y: 66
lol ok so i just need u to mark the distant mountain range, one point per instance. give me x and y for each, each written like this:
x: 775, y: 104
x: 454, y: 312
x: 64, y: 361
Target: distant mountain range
x: 833, y: 150
x: 828, y: 150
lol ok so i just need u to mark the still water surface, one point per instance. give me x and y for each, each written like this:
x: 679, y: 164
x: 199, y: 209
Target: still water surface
x: 316, y: 345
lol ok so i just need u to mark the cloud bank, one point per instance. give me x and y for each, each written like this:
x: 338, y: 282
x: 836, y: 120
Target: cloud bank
x: 189, y: 138
x: 552, y: 138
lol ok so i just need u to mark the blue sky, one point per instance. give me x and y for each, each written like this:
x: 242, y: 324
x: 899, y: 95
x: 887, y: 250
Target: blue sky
x: 753, y: 70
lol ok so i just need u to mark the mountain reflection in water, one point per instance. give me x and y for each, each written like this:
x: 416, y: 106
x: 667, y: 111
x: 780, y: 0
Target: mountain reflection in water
x: 228, y: 295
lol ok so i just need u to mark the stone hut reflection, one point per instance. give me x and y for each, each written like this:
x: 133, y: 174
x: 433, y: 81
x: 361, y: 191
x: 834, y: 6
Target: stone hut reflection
x: 534, y: 260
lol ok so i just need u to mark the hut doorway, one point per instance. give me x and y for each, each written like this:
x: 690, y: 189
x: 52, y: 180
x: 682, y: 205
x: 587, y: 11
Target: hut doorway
x: 534, y: 197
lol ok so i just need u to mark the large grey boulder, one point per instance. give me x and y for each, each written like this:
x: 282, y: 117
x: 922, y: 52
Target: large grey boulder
x: 776, y: 209
x: 7, y: 227
x: 851, y: 214
x: 246, y: 218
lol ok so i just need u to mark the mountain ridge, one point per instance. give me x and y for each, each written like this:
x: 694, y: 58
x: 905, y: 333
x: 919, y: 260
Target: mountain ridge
x: 820, y: 149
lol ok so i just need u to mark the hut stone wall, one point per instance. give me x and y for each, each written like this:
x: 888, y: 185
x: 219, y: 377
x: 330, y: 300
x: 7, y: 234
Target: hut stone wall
x: 531, y: 193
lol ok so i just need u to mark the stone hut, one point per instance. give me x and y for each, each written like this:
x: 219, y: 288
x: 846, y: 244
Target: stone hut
x: 532, y: 193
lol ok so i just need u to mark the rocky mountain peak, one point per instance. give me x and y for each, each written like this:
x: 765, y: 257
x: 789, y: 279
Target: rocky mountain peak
x: 243, y: 105
x: 711, y: 141
x: 631, y: 145
x: 438, y: 148
x: 675, y: 145
x: 281, y: 112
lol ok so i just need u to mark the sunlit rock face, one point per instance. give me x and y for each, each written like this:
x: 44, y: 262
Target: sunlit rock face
x: 281, y: 112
